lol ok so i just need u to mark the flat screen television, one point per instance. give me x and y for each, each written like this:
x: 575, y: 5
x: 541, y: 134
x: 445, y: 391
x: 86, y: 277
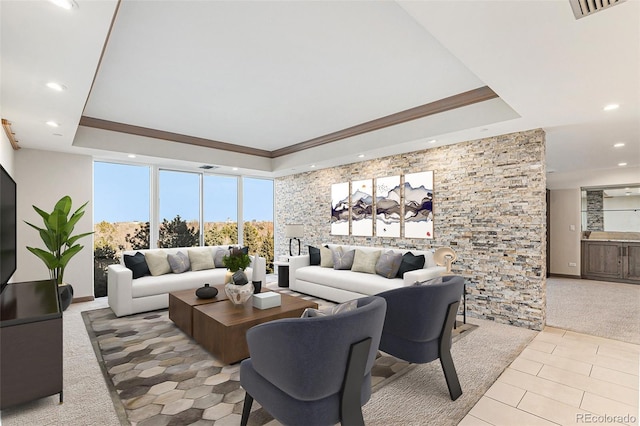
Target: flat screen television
x: 7, y: 227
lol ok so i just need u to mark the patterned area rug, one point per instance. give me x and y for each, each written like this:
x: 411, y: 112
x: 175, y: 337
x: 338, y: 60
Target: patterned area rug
x: 160, y: 376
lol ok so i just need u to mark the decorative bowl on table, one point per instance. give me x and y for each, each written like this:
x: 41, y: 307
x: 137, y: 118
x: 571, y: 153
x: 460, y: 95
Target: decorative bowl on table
x: 238, y: 294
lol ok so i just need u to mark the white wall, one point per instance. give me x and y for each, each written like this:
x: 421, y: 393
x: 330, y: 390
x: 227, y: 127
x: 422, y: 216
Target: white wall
x: 6, y: 154
x: 43, y: 177
x: 565, y: 231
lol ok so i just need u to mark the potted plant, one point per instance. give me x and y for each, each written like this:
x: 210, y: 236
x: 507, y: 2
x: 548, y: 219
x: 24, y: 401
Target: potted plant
x: 61, y: 245
x: 237, y: 286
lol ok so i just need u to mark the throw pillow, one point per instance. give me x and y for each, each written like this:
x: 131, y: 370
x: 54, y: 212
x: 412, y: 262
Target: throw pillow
x: 410, y: 262
x: 158, y: 263
x: 314, y: 255
x: 351, y: 305
x: 326, y: 257
x: 137, y: 264
x: 201, y: 259
x: 179, y: 262
x: 365, y: 261
x: 388, y: 264
x: 436, y: 280
x: 217, y: 258
x: 245, y: 250
x: 342, y: 259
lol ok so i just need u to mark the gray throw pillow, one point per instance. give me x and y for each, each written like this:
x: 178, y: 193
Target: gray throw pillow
x: 157, y: 262
x: 342, y: 259
x: 351, y: 305
x: 200, y: 260
x: 179, y: 262
x: 217, y: 258
x: 364, y: 261
x: 388, y: 264
x: 436, y: 280
x: 326, y: 257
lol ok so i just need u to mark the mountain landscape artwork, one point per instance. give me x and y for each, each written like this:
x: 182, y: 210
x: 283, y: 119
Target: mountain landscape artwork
x: 388, y: 206
x: 418, y: 205
x: 340, y: 208
x: 362, y: 208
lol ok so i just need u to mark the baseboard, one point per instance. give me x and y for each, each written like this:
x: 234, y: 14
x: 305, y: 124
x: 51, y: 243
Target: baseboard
x: 83, y: 299
x: 575, y: 277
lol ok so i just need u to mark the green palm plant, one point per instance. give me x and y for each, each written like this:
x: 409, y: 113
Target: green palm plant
x: 56, y: 235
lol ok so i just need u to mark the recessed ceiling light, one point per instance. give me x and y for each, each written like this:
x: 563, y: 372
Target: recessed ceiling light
x: 627, y: 193
x: 361, y: 156
x: 618, y: 145
x: 131, y: 156
x: 622, y: 164
x: 56, y: 86
x: 65, y: 4
x: 53, y: 123
x: 433, y: 141
x: 611, y: 107
x: 235, y: 169
x: 313, y: 166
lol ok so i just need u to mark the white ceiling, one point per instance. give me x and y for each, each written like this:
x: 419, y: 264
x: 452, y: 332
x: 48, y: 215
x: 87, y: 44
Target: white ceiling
x: 271, y: 74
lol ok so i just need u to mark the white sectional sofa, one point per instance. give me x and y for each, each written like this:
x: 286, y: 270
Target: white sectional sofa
x: 129, y: 296
x: 343, y: 285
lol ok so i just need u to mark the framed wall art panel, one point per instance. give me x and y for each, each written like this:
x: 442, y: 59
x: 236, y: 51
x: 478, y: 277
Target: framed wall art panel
x: 362, y: 208
x: 340, y: 208
x: 388, y: 206
x: 418, y: 205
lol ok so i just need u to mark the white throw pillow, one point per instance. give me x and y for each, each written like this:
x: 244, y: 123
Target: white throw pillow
x: 157, y: 262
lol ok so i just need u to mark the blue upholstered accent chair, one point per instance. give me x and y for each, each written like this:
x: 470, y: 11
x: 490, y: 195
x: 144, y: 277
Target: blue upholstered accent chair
x: 418, y: 325
x: 314, y: 371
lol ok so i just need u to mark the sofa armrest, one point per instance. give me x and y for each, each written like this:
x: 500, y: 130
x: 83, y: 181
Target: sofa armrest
x: 119, y: 289
x: 259, y: 269
x: 296, y: 262
x: 411, y: 277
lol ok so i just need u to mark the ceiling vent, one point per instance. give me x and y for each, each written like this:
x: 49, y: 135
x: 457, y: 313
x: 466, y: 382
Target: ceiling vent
x: 582, y: 8
x: 208, y: 167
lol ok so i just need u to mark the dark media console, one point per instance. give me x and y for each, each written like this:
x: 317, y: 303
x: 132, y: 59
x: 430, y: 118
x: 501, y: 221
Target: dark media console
x: 30, y: 342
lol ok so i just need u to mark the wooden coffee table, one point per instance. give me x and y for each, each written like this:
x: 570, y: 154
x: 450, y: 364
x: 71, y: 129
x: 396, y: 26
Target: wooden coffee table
x: 221, y: 328
x: 181, y: 304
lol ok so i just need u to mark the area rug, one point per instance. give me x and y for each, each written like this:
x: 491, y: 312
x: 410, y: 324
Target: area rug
x: 160, y: 376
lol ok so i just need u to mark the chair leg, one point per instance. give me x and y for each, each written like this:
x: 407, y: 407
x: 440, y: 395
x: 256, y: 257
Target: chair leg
x: 450, y: 375
x: 350, y: 404
x: 246, y: 409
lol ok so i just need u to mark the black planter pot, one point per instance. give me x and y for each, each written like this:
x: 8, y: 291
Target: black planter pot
x: 65, y: 291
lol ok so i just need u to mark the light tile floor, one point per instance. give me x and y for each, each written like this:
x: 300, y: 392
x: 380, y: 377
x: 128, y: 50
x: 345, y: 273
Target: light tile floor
x: 564, y: 378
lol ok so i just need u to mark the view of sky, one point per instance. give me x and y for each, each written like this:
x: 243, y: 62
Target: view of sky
x: 121, y: 194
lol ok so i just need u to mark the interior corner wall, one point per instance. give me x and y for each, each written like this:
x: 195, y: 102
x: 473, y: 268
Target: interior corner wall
x: 43, y: 177
x: 489, y: 205
x: 565, y: 232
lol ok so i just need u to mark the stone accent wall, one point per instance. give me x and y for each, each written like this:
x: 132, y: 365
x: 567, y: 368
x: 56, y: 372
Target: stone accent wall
x: 489, y: 206
x: 595, y: 210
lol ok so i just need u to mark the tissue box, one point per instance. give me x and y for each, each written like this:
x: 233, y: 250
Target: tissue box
x: 269, y: 299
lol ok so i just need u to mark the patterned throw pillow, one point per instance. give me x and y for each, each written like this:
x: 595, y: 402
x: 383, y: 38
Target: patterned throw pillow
x: 326, y: 257
x: 410, y: 262
x: 158, y: 263
x: 388, y: 264
x: 351, y: 305
x: 342, y: 259
x: 365, y: 261
x: 179, y: 262
x: 137, y: 264
x: 200, y: 260
x: 217, y: 258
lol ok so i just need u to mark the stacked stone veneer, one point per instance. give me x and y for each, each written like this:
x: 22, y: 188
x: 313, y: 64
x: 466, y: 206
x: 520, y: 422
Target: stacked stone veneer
x: 489, y: 205
x: 595, y: 210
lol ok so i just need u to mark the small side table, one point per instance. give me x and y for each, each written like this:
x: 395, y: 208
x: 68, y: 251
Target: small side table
x: 283, y: 273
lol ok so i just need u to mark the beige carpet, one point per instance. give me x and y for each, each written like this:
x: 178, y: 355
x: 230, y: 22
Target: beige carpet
x: 420, y: 397
x: 597, y: 308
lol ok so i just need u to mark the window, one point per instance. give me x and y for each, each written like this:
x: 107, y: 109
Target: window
x: 121, y: 215
x: 220, y: 198
x: 257, y: 203
x: 179, y: 209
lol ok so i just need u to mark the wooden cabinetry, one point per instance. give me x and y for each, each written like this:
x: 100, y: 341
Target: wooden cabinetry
x: 611, y: 261
x: 30, y: 342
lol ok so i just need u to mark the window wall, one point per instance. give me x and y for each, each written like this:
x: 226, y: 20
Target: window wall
x: 138, y: 207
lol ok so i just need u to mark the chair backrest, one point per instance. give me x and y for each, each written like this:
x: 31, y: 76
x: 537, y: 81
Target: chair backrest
x: 307, y: 357
x: 417, y: 313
